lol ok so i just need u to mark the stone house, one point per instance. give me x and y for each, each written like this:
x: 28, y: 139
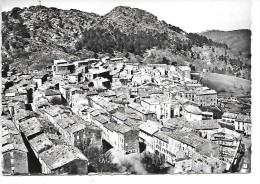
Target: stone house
x: 62, y: 67
x: 100, y: 82
x: 184, y: 141
x: 243, y: 124
x: 146, y: 133
x: 184, y: 71
x: 228, y: 120
x: 175, y: 109
x: 40, y: 79
x: 206, y: 98
x: 75, y: 77
x: 100, y: 121
x: 159, y: 104
x: 52, y: 94
x: 229, y: 142
x: 98, y: 72
x: 31, y: 128
x: 14, y: 151
x: 121, y: 137
x: 192, y: 113
x: 119, y: 117
x: 161, y: 146
x: 141, y: 78
x: 58, y: 159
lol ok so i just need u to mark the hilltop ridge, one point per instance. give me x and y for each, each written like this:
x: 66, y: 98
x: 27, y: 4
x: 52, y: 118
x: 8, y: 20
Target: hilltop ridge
x: 237, y: 40
x: 35, y: 36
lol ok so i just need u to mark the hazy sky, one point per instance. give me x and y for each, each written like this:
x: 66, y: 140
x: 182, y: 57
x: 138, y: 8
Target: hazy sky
x: 189, y: 15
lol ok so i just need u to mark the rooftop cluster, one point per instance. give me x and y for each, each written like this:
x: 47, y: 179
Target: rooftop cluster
x: 76, y: 105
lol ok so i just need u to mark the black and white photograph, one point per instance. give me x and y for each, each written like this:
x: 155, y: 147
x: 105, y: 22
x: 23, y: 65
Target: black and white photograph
x: 126, y: 87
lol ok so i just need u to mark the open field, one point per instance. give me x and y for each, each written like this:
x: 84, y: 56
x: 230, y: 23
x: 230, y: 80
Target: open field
x: 226, y: 85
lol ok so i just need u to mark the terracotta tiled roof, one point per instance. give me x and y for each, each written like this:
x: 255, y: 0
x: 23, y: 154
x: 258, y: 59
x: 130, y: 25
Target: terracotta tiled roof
x: 243, y: 118
x: 61, y: 155
x: 193, y: 109
x: 150, y: 127
x: 40, y: 143
x: 230, y: 115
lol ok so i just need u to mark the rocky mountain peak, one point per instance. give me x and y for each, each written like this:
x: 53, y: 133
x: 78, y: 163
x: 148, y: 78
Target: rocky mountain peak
x: 131, y: 13
x: 36, y: 35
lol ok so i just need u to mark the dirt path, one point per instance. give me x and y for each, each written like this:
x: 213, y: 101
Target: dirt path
x: 149, y: 54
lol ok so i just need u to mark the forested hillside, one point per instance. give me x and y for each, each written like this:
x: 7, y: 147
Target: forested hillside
x: 34, y: 36
x: 237, y: 40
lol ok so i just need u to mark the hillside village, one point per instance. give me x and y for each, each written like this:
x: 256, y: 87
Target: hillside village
x: 35, y: 36
x: 52, y: 116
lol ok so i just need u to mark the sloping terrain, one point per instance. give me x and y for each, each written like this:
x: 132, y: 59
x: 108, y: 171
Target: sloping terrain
x: 226, y: 85
x: 237, y: 40
x: 37, y: 35
x: 34, y: 36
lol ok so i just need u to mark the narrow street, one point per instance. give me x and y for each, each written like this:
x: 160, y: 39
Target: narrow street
x: 245, y: 163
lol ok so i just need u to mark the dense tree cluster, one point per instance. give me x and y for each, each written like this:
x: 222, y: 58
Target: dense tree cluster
x: 78, y: 167
x: 154, y: 164
x: 57, y: 101
x: 15, y: 13
x: 199, y: 40
x: 32, y: 37
x: 237, y: 66
x: 193, y: 68
x: 108, y: 40
x: 222, y: 70
x: 174, y: 28
x: 17, y: 28
x: 99, y: 162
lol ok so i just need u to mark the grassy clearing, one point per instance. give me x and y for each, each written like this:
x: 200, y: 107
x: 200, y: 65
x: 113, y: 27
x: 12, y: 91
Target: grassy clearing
x: 226, y: 85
